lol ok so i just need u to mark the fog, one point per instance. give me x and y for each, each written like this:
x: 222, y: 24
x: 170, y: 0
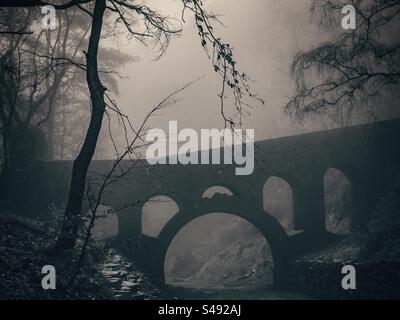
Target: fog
x: 266, y: 35
x: 65, y: 102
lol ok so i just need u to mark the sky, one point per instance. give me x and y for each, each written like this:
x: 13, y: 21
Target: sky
x: 265, y: 34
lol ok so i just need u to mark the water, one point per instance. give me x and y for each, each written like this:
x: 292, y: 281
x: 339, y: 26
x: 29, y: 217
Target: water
x: 127, y: 283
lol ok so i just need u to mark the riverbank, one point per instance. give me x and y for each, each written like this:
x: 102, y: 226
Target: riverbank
x: 320, y: 274
x: 24, y: 250
x: 374, y: 252
x: 107, y: 273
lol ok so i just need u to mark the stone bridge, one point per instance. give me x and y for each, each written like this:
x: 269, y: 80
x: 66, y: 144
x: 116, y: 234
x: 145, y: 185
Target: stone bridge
x: 366, y: 154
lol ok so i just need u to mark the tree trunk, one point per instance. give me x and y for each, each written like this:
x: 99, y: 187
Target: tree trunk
x: 72, y: 217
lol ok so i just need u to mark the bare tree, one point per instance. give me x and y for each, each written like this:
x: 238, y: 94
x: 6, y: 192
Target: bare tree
x: 147, y: 26
x: 131, y: 151
x: 30, y: 80
x: 81, y: 164
x: 158, y: 30
x: 41, y: 74
x: 356, y: 69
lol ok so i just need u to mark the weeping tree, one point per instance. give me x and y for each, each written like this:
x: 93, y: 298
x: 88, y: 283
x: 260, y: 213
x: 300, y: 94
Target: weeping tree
x: 352, y: 72
x: 147, y: 26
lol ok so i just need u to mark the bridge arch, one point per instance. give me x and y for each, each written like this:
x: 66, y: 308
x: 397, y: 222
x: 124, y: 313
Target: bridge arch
x: 219, y: 184
x: 288, y: 176
x: 217, y: 189
x: 351, y: 171
x: 294, y: 182
x: 267, y: 225
x: 278, y: 201
x: 156, y: 212
x: 217, y: 250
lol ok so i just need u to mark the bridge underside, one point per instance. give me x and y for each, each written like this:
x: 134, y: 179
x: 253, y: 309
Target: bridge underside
x: 152, y: 253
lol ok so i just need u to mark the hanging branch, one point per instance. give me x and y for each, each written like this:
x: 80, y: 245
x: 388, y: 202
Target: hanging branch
x: 354, y: 70
x: 224, y: 64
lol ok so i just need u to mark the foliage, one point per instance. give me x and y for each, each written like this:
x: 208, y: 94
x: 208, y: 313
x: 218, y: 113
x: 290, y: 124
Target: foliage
x: 24, y: 251
x: 354, y: 70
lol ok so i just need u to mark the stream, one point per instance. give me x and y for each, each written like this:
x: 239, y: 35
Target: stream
x: 127, y: 283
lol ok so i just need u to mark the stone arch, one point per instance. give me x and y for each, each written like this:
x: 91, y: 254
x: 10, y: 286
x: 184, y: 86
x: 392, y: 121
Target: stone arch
x: 267, y: 225
x: 211, y: 191
x: 278, y: 200
x: 217, y: 250
x: 338, y: 200
x: 156, y: 212
x: 351, y: 171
